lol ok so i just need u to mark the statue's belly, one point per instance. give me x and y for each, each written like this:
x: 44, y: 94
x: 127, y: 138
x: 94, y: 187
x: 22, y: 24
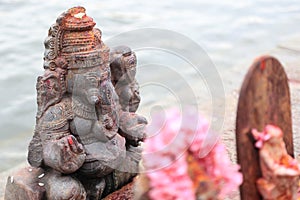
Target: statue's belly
x: 103, y: 157
x: 104, y: 154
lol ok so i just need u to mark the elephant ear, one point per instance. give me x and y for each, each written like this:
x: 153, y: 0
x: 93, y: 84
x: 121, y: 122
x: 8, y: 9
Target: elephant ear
x: 50, y: 89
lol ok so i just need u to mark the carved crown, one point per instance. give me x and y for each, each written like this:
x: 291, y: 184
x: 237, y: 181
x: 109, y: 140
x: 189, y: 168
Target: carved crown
x: 74, y: 39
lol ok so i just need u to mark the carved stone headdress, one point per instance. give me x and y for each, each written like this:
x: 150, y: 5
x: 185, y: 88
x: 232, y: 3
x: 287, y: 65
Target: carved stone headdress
x: 72, y: 43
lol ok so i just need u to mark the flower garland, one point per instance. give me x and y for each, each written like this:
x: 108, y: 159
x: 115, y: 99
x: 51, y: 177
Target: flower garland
x: 173, y: 165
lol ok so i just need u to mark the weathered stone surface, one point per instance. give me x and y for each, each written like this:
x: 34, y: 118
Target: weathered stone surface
x: 25, y: 184
x: 86, y: 126
x: 125, y: 193
x: 264, y: 99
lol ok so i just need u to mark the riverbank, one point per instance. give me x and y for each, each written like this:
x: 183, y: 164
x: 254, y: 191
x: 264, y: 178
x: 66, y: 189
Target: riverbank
x: 288, y: 54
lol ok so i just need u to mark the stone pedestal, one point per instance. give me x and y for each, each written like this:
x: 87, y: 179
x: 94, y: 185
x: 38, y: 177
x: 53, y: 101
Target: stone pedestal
x: 125, y: 193
x: 25, y: 184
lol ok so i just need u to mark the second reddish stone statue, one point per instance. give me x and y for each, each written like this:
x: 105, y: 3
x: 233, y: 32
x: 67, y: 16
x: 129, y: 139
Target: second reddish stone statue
x: 280, y: 172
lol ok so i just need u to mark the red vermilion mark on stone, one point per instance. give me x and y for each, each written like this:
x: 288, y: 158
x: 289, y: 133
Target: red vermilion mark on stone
x: 70, y: 140
x: 262, y: 64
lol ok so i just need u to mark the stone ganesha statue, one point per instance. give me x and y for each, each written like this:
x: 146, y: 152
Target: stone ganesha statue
x: 87, y: 136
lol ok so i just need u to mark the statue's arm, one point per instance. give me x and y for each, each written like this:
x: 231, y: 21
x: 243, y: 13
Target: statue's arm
x: 61, y: 150
x: 277, y: 168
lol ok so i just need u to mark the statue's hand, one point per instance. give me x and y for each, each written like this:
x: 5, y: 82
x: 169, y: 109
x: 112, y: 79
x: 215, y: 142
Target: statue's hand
x: 72, y: 154
x: 65, y: 155
x: 133, y: 126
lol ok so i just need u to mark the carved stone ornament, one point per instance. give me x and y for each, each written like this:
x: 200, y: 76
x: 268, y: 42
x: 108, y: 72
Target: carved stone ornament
x: 87, y: 139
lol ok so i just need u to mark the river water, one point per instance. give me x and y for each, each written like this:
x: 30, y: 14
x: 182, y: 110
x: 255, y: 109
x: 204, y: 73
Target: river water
x: 232, y: 33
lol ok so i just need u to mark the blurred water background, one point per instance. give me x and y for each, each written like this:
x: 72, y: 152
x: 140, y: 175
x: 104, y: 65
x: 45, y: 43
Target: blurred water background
x: 232, y: 33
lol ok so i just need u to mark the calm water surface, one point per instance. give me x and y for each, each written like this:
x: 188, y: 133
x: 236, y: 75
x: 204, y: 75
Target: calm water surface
x: 231, y: 32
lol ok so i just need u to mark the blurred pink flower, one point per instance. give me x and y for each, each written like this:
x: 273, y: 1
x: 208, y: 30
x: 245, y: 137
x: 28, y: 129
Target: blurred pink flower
x: 171, y: 182
x: 220, y: 168
x: 165, y: 157
x: 260, y: 137
x: 266, y: 134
